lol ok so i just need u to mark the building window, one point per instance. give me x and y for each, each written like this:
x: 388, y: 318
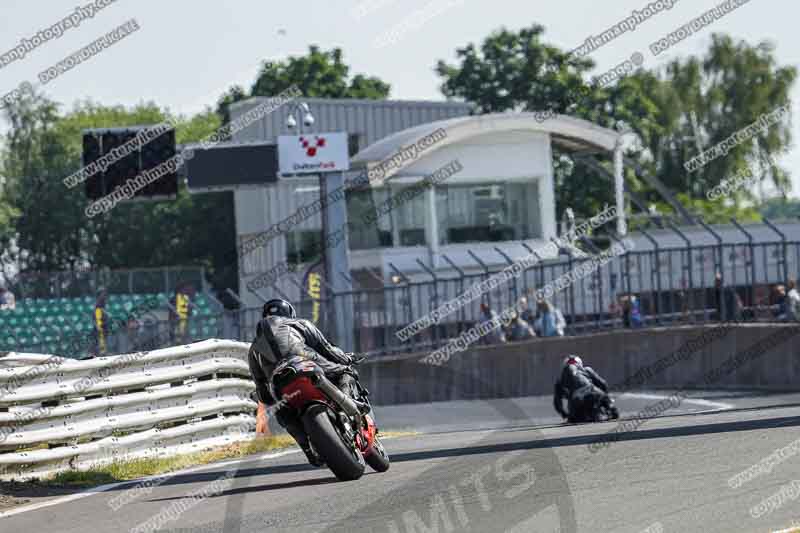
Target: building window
x: 353, y: 144
x: 361, y: 208
x: 303, y: 247
x: 490, y: 212
x: 409, y: 215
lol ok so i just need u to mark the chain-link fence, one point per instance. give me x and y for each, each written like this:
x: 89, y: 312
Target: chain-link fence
x: 648, y: 286
x: 78, y: 283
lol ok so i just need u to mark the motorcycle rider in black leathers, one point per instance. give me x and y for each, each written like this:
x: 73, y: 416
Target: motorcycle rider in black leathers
x: 281, y: 335
x: 584, y: 389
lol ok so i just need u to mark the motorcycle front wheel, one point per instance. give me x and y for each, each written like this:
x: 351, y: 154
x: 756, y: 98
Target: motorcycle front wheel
x: 376, y: 457
x: 345, y: 462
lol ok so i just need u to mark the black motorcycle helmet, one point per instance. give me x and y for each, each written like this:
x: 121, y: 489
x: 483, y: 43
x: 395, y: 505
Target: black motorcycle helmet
x: 278, y: 307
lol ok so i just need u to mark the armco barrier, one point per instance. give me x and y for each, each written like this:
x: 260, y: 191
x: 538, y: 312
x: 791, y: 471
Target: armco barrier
x: 532, y: 367
x: 58, y: 414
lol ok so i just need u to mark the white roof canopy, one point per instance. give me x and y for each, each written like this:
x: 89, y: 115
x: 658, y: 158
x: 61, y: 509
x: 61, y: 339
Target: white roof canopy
x: 568, y: 133
x: 572, y: 134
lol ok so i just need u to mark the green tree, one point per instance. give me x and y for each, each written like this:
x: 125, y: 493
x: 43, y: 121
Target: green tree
x: 193, y: 229
x: 725, y: 90
x: 712, y: 211
x: 8, y: 216
x: 780, y: 208
x: 515, y: 71
x: 50, y: 231
x: 319, y: 74
x: 53, y: 233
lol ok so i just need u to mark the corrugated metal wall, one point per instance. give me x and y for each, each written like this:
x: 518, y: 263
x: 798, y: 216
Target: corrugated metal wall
x: 258, y: 208
x: 372, y: 120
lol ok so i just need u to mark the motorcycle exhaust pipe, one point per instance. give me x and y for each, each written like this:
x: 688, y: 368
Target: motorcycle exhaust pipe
x: 341, y: 399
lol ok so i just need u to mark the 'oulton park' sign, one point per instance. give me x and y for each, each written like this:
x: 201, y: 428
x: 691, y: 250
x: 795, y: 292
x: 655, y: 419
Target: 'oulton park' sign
x: 313, y: 153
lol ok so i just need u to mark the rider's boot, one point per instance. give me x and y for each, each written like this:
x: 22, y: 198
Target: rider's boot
x: 608, y: 403
x: 294, y: 427
x: 349, y: 385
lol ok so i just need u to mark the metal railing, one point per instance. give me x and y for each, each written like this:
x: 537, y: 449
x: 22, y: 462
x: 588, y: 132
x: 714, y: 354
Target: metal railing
x: 77, y: 283
x: 145, y: 334
x: 58, y: 415
x: 673, y: 286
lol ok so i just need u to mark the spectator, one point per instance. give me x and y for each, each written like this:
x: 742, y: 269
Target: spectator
x: 519, y: 329
x: 496, y: 336
x: 7, y: 300
x: 732, y: 310
x: 631, y: 313
x: 781, y: 302
x: 102, y: 323
x: 624, y: 310
x: 132, y: 335
x: 182, y: 303
x: 792, y: 301
x: 551, y: 321
x: 526, y: 313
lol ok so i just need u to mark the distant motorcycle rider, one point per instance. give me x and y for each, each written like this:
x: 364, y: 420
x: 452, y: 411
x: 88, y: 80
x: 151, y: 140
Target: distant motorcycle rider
x: 281, y: 335
x: 583, y: 388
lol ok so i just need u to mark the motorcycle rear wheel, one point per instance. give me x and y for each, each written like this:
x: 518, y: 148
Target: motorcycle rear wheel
x: 345, y: 462
x: 377, y: 458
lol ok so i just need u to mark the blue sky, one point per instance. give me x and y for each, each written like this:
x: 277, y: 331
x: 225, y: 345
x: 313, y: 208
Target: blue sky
x: 186, y: 53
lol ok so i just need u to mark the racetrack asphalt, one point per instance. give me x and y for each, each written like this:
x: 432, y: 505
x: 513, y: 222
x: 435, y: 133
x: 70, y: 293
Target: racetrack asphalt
x: 485, y: 466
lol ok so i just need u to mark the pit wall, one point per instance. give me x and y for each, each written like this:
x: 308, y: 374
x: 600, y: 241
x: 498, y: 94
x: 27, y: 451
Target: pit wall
x: 653, y: 358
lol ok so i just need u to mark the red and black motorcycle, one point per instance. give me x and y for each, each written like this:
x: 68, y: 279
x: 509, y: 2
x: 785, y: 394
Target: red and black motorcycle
x: 340, y: 429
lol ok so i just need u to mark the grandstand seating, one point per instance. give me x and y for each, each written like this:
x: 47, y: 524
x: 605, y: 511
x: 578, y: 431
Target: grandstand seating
x: 48, y: 325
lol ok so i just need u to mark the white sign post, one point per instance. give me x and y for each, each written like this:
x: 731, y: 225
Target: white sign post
x: 313, y: 153
x: 326, y: 154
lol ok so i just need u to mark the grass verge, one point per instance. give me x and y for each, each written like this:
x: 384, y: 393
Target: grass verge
x: 134, y: 469
x: 137, y: 468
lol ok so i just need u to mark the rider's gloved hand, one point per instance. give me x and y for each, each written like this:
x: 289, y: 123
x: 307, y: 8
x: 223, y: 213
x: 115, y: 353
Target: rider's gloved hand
x: 357, y: 357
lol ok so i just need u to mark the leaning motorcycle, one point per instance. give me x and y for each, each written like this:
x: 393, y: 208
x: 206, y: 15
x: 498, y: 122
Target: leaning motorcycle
x: 340, y: 429
x: 597, y: 411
